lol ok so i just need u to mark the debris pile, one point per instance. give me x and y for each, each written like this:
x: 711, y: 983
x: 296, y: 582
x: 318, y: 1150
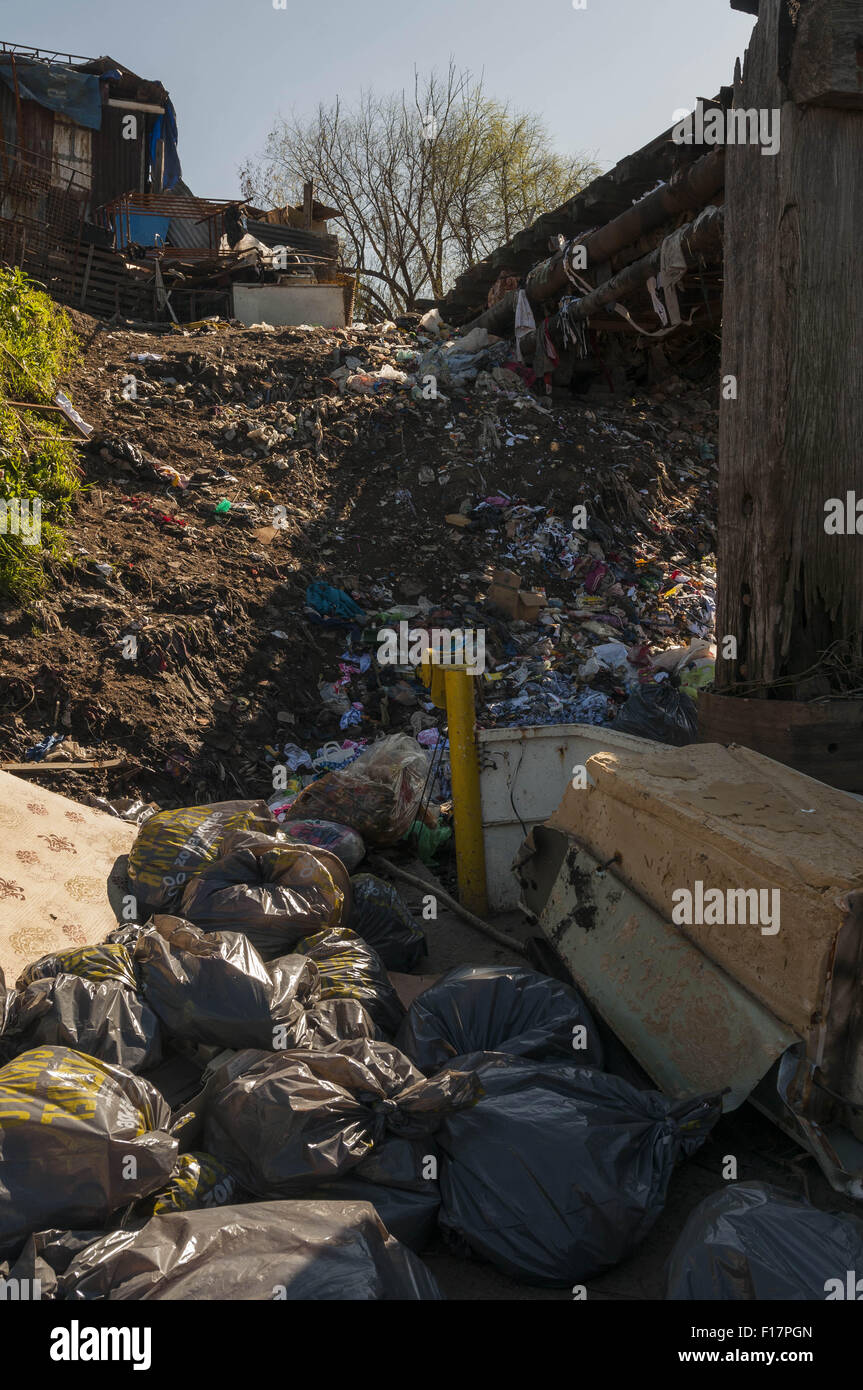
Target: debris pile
x: 264, y: 504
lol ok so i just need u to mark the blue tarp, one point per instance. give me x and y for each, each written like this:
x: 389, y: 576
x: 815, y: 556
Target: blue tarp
x: 143, y: 228
x: 165, y: 128
x: 60, y: 88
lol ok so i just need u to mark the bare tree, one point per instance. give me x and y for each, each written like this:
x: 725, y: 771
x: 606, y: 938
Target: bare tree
x: 427, y: 182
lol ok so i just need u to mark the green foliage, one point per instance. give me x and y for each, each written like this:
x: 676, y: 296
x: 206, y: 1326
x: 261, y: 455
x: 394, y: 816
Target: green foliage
x: 38, y: 459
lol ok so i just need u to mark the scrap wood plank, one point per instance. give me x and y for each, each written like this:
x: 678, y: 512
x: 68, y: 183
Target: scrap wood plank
x: 59, y: 766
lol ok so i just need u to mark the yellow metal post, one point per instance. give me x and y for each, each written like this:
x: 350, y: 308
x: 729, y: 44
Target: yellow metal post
x: 467, y: 810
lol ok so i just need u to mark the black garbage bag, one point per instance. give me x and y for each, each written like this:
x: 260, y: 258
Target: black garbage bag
x: 78, y: 1139
x: 384, y: 920
x: 173, y: 845
x: 499, y: 1008
x: 213, y: 988
x: 105, y: 1020
x: 659, y: 711
x: 263, y: 1251
x: 351, y: 969
x: 293, y: 1120
x: 274, y: 896
x: 400, y: 1179
x: 101, y: 962
x: 754, y: 1241
x: 559, y: 1171
x: 199, y: 1180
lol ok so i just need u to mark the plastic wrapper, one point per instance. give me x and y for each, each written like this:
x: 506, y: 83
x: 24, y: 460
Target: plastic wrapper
x: 661, y: 712
x: 752, y: 1241
x: 293, y: 1120
x: 274, y: 896
x: 262, y: 1251
x: 399, y: 1178
x: 105, y: 961
x: 213, y: 988
x: 199, y: 1180
x: 173, y: 845
x: 383, y: 920
x: 105, y: 1020
x: 499, y: 1008
x: 378, y: 795
x: 351, y: 969
x: 558, y: 1171
x: 78, y: 1139
x: 326, y: 834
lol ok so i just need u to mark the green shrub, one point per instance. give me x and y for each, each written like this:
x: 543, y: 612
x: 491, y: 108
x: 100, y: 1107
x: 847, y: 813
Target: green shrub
x: 37, y: 347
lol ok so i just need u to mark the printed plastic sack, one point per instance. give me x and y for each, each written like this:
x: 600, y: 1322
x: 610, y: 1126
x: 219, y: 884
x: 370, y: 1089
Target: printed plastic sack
x: 399, y: 1178
x: 78, y: 1139
x: 292, y: 1120
x: 294, y: 1250
x: 499, y: 1008
x: 274, y: 896
x: 754, y: 1241
x: 661, y: 712
x: 559, y: 1171
x: 215, y: 989
x: 199, y: 1180
x: 105, y: 1020
x: 351, y: 969
x: 104, y: 961
x: 383, y: 920
x: 173, y: 845
x: 378, y: 795
x: 325, y: 834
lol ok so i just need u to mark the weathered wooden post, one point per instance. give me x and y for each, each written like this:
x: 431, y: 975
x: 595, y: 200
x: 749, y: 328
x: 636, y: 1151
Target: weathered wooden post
x: 791, y: 416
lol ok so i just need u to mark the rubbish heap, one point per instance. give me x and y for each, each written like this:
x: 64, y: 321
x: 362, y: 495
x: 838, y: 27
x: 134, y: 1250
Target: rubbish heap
x: 345, y: 482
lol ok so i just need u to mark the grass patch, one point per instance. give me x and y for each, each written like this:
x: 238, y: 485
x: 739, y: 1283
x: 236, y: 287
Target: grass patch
x: 39, y: 470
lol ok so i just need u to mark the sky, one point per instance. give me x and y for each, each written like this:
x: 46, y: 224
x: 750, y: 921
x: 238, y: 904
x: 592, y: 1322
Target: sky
x: 606, y: 77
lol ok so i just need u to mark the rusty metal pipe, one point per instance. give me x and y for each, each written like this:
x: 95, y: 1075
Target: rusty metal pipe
x: 688, y: 190
x: 706, y: 240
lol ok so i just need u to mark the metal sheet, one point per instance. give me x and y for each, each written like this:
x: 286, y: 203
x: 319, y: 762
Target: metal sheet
x: 687, y: 1023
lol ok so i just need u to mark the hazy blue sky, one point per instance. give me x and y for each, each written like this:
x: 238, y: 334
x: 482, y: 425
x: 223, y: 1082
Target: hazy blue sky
x: 606, y: 78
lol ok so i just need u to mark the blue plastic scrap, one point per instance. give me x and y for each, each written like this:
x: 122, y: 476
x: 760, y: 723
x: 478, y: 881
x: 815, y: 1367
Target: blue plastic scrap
x: 325, y: 599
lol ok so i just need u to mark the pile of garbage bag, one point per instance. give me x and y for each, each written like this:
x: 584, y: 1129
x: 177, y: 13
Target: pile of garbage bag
x: 321, y: 1135
x: 754, y: 1241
